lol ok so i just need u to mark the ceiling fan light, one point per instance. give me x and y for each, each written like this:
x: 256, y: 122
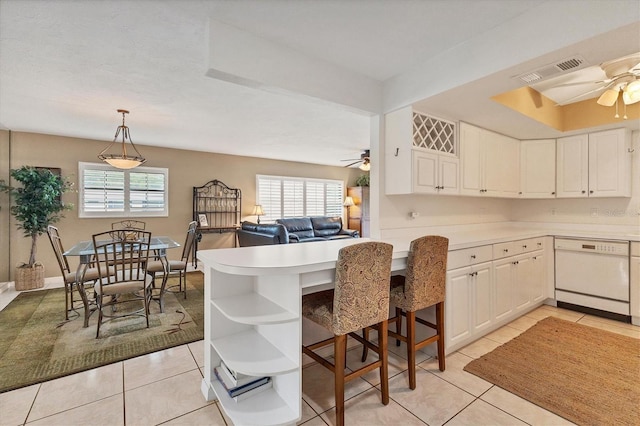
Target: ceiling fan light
x: 365, y: 167
x: 608, y: 98
x: 631, y: 93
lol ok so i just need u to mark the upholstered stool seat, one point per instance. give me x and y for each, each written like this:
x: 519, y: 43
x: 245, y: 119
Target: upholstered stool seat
x: 360, y: 299
x: 422, y: 286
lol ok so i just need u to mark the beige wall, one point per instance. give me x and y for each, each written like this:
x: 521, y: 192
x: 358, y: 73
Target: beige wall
x: 186, y: 169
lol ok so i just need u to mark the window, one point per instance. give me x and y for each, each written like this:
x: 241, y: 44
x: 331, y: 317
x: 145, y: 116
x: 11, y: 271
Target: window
x: 109, y: 192
x: 291, y: 197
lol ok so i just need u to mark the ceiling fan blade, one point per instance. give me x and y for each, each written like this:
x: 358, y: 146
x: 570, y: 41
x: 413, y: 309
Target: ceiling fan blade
x: 574, y: 98
x: 351, y: 159
x: 355, y: 162
x: 580, y: 83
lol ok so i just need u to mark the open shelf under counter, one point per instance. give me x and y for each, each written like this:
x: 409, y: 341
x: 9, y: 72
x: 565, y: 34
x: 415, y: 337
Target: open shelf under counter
x: 263, y: 408
x: 250, y: 353
x: 253, y: 309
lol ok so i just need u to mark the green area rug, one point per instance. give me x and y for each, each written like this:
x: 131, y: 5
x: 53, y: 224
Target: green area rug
x: 37, y: 344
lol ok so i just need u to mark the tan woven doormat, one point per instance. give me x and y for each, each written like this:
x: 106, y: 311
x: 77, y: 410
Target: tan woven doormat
x: 586, y: 375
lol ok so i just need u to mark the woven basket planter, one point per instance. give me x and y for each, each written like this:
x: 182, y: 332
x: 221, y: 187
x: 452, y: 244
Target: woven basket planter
x: 29, y: 278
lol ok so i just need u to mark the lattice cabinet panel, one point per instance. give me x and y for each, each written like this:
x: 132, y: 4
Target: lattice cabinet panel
x: 434, y: 133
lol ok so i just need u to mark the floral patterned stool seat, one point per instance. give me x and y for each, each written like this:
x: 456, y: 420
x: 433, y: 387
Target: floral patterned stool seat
x: 360, y: 299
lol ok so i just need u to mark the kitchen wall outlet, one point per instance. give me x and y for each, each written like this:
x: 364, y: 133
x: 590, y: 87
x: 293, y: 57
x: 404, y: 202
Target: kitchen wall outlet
x: 414, y: 215
x: 594, y: 212
x: 553, y: 212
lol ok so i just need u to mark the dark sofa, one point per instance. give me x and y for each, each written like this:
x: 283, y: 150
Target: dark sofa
x: 316, y: 228
x: 262, y: 234
x: 293, y: 230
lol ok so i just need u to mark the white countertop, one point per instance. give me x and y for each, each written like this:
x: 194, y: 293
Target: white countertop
x: 314, y: 256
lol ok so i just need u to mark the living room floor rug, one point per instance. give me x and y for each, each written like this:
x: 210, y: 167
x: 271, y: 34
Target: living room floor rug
x: 586, y: 375
x: 37, y: 344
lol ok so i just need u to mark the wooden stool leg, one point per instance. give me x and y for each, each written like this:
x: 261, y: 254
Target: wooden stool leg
x: 440, y: 331
x: 383, y: 340
x: 398, y: 324
x: 340, y: 355
x: 411, y: 348
x: 365, y: 349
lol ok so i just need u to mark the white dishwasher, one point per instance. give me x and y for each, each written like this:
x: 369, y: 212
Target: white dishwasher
x: 593, y: 274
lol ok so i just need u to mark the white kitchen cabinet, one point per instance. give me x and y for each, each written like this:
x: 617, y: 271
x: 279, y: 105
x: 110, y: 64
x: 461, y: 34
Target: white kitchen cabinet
x: 594, y: 165
x: 635, y: 283
x: 434, y: 173
x: 538, y: 168
x: 490, y: 163
x: 470, y: 289
x: 420, y: 154
x: 490, y: 285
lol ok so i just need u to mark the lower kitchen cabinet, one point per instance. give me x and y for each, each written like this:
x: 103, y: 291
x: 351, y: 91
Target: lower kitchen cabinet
x: 482, y: 297
x: 634, y: 283
x: 471, y: 290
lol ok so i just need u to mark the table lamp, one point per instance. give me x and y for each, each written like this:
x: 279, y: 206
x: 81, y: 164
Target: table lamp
x: 257, y: 211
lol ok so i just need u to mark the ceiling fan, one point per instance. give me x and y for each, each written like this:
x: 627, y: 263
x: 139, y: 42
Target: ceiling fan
x: 623, y: 75
x: 364, y: 159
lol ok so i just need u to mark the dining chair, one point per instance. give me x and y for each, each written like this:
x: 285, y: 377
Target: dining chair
x: 167, y: 267
x: 360, y: 299
x: 122, y: 258
x: 70, y: 278
x: 129, y: 224
x: 422, y: 286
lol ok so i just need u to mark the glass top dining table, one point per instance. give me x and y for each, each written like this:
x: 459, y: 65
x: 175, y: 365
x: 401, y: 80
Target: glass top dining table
x: 85, y: 250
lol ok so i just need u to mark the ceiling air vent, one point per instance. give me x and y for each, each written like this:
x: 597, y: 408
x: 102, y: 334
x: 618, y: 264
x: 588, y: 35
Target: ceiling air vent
x: 552, y: 70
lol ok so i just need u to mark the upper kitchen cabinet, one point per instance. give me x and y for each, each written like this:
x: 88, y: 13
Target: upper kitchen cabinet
x: 538, y: 168
x: 594, y: 165
x: 490, y: 163
x: 420, y: 154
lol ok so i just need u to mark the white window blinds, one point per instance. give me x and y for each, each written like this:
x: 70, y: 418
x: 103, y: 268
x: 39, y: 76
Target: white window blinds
x: 109, y: 192
x: 292, y: 197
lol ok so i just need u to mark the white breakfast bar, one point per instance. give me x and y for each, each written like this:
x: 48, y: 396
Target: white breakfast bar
x: 253, y: 302
x: 253, y: 320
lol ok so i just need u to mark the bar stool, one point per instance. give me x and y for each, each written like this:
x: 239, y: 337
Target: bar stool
x: 421, y: 287
x: 360, y: 299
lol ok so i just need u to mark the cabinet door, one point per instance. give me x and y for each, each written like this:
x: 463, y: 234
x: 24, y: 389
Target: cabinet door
x: 523, y: 282
x: 635, y: 289
x: 458, y: 312
x: 398, y: 146
x: 425, y: 172
x: 448, y: 175
x: 538, y: 168
x: 471, y: 157
x: 503, y: 279
x: 572, y: 177
x: 609, y: 164
x: 482, y: 297
x: 506, y: 162
x: 539, y: 284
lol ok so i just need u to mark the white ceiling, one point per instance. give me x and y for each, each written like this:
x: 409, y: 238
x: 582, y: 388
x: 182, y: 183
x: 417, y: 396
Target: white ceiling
x: 67, y: 66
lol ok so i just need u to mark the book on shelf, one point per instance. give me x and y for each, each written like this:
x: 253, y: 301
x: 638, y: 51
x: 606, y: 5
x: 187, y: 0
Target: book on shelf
x: 253, y: 391
x: 235, y: 378
x: 236, y: 390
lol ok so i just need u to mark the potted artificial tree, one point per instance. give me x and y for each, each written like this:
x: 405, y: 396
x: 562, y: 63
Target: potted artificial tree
x: 37, y: 203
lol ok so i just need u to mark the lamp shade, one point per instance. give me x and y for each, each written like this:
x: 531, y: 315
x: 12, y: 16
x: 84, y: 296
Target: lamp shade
x: 348, y: 202
x: 608, y: 98
x: 631, y: 93
x: 257, y: 210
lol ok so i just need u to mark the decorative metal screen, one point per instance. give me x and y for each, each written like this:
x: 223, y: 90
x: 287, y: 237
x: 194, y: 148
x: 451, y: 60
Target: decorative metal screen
x: 432, y: 133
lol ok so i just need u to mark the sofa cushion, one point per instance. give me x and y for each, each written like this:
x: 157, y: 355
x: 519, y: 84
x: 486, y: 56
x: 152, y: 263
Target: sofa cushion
x: 301, y: 226
x: 253, y: 234
x: 326, y: 226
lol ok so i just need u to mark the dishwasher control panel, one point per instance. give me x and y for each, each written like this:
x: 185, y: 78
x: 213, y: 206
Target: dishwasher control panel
x: 593, y: 246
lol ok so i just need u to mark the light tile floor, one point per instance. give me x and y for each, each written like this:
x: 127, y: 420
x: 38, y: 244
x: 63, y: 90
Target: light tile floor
x: 164, y: 388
